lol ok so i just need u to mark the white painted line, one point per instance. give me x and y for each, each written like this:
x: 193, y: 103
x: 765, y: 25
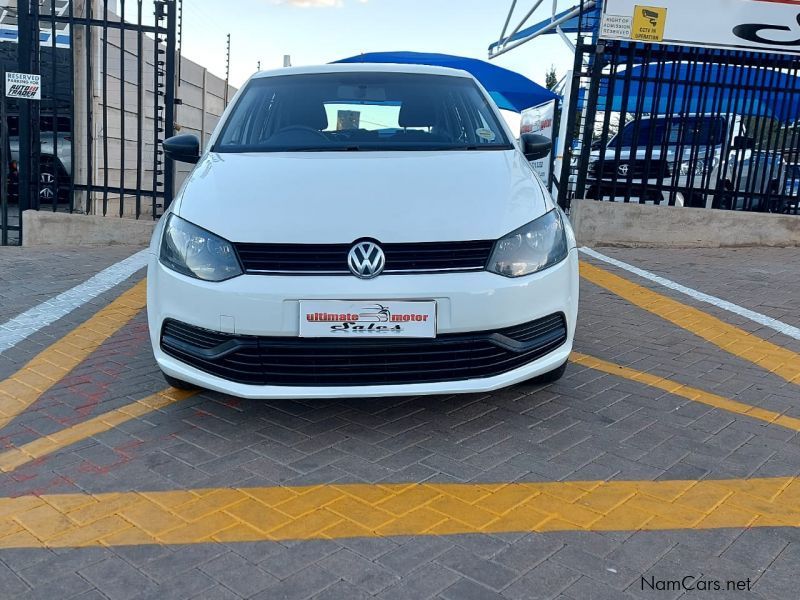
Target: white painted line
x: 26, y: 324
x: 764, y: 320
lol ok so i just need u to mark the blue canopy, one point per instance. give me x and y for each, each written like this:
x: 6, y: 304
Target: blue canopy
x: 685, y: 88
x: 572, y: 25
x: 510, y: 90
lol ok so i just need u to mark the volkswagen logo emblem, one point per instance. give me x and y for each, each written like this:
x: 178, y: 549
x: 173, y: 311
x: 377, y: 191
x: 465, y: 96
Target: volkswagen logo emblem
x: 366, y: 260
x: 623, y: 169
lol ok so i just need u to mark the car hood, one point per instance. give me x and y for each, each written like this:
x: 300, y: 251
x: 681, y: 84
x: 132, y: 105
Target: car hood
x: 339, y: 197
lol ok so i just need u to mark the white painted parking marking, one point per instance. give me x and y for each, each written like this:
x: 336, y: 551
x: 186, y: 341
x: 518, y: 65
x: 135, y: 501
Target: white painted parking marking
x: 26, y: 324
x: 756, y: 317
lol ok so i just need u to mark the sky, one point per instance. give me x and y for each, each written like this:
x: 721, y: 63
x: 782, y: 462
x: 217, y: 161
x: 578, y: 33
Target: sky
x: 322, y: 31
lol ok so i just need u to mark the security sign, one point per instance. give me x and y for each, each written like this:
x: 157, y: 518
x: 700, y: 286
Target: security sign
x: 648, y: 23
x: 762, y: 25
x: 24, y: 85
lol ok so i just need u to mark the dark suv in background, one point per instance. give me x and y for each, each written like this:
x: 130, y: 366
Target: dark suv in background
x: 55, y: 160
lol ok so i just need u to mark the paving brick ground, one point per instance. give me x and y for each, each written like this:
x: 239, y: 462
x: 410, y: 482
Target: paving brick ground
x: 588, y: 426
x: 762, y: 279
x: 30, y: 276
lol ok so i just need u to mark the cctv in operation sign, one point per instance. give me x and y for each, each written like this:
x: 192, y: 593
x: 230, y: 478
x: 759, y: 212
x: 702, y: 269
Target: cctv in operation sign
x: 762, y: 25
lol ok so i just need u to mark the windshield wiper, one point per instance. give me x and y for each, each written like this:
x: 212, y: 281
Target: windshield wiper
x: 474, y: 147
x: 306, y: 149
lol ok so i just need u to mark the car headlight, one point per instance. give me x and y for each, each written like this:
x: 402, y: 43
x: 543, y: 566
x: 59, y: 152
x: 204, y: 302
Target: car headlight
x: 698, y: 166
x: 531, y: 248
x: 195, y: 252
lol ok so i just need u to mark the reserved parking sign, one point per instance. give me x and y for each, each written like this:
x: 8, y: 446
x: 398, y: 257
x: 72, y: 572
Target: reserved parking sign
x: 24, y: 85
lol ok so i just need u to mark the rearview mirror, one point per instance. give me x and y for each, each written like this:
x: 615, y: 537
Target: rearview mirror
x: 183, y: 148
x: 535, y: 146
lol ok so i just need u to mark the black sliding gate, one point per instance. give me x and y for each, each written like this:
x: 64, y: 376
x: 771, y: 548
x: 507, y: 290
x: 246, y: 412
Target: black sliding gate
x: 93, y: 142
x: 683, y: 126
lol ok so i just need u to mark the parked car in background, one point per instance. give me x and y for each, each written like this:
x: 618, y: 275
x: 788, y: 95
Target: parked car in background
x: 792, y: 185
x: 55, y: 160
x: 698, y: 160
x: 791, y: 189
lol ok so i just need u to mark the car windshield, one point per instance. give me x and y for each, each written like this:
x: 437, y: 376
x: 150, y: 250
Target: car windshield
x: 361, y: 111
x: 692, y: 131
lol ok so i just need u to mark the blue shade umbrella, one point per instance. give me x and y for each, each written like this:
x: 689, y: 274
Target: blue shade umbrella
x: 684, y: 87
x: 510, y: 90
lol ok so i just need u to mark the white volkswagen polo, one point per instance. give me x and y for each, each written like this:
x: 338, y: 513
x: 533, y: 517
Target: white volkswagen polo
x: 361, y: 230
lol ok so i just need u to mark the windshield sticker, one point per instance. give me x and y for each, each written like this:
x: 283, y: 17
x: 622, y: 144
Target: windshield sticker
x: 486, y: 134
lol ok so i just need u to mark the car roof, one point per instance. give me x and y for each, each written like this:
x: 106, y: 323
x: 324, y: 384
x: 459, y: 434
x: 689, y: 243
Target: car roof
x: 364, y: 68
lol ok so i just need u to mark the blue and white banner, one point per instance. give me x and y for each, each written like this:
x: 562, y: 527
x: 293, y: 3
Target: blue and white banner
x: 60, y: 38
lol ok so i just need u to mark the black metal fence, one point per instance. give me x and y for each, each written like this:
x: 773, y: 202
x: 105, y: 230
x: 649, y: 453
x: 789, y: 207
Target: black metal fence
x: 93, y: 142
x: 683, y: 126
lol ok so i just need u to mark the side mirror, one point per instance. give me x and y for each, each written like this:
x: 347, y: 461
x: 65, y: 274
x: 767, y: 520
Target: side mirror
x: 183, y: 148
x: 535, y: 146
x: 741, y: 142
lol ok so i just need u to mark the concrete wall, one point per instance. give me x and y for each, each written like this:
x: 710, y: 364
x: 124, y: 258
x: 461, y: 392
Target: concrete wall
x: 641, y: 225
x: 203, y: 97
x: 202, y: 105
x: 45, y: 228
x: 595, y: 223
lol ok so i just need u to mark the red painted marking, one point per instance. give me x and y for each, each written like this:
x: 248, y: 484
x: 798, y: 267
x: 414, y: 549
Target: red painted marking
x: 109, y: 361
x: 128, y: 449
x: 53, y: 485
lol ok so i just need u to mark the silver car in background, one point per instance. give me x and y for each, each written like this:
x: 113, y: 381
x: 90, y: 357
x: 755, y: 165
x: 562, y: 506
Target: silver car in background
x: 697, y: 160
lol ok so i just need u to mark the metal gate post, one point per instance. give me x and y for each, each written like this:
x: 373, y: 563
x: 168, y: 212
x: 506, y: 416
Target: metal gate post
x: 24, y: 51
x: 5, y: 161
x: 588, y: 123
x: 35, y: 109
x: 564, y: 200
x: 169, y: 98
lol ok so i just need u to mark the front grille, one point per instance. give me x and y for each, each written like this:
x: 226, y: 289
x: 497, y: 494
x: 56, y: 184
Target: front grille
x: 292, y: 361
x: 636, y: 169
x: 614, y: 190
x: 331, y: 259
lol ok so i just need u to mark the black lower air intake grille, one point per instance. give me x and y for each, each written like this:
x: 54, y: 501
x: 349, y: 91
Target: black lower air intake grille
x: 331, y: 259
x: 292, y: 361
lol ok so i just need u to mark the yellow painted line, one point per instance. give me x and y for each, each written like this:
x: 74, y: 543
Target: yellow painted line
x: 52, y: 364
x: 41, y: 447
x: 16, y: 457
x: 685, y: 391
x: 776, y: 359
x: 412, y: 509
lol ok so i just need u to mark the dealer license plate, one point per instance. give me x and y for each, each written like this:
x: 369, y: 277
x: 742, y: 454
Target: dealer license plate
x: 367, y: 319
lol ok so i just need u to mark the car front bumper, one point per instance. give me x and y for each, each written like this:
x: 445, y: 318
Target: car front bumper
x: 268, y: 306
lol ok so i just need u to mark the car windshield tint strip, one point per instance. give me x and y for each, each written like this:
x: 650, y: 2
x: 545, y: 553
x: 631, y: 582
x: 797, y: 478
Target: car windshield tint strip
x: 361, y: 111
